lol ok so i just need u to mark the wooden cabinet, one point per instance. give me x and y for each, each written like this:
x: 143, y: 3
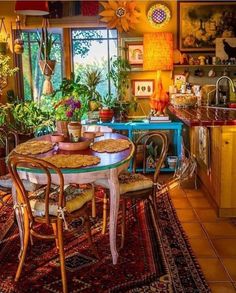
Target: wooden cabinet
x: 218, y: 173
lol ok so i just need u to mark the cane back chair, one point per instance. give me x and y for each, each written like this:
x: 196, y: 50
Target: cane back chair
x: 136, y: 186
x: 52, y: 204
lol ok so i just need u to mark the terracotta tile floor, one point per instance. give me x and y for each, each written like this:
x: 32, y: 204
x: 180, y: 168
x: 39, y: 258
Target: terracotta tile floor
x: 213, y: 239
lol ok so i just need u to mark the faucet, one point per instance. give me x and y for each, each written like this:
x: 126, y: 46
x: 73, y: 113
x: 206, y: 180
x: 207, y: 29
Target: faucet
x: 217, y: 86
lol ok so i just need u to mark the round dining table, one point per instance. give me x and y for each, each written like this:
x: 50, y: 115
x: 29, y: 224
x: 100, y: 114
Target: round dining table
x: 110, y: 166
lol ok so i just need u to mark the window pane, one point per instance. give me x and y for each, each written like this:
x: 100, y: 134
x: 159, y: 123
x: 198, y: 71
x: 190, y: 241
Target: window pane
x: 113, y: 34
x: 94, y: 48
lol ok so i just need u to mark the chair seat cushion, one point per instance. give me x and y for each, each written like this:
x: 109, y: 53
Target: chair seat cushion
x: 6, y: 182
x: 75, y: 199
x: 129, y: 182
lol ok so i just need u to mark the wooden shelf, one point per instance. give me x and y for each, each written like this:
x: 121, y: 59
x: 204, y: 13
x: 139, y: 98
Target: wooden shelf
x: 207, y: 65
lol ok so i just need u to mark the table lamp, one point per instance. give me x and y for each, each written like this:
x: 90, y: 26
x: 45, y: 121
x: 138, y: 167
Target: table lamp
x: 158, y: 55
x: 32, y: 7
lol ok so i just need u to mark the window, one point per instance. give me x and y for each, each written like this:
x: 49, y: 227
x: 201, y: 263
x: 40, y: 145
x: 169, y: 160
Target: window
x: 32, y: 76
x: 93, y: 48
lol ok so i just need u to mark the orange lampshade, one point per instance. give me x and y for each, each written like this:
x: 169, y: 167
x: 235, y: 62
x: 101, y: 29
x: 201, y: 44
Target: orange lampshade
x: 32, y: 7
x: 158, y: 51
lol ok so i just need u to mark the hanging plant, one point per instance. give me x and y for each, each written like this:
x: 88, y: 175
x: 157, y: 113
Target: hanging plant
x: 122, y: 15
x: 47, y: 66
x: 18, y: 42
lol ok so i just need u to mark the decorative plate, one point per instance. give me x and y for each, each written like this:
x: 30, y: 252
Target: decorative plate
x: 110, y: 145
x: 34, y: 147
x: 72, y: 161
x: 158, y: 15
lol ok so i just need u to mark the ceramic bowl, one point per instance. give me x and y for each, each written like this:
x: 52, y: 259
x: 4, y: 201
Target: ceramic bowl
x: 56, y: 137
x: 89, y: 134
x: 82, y: 144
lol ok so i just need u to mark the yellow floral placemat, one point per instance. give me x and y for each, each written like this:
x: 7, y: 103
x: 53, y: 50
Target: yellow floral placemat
x: 34, y: 147
x: 72, y: 161
x: 110, y: 145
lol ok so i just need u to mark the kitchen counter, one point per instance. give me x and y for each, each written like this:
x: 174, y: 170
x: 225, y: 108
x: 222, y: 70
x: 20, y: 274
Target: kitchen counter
x: 212, y: 137
x: 205, y: 116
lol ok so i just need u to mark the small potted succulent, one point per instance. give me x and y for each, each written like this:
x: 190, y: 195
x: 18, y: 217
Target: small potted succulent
x: 106, y: 112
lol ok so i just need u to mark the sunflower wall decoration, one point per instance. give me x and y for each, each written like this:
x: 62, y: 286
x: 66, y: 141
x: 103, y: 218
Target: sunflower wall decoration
x: 122, y: 15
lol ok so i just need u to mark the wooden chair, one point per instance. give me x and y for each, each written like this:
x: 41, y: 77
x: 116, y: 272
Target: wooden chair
x: 53, y: 205
x: 137, y: 186
x: 10, y: 140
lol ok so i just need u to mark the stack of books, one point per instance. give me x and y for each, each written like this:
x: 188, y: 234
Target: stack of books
x: 156, y: 119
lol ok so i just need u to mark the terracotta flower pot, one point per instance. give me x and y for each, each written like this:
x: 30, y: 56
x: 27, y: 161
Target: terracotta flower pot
x: 106, y: 115
x: 62, y: 127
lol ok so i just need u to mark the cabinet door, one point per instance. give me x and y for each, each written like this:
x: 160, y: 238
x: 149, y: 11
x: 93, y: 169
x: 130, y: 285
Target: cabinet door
x: 228, y: 173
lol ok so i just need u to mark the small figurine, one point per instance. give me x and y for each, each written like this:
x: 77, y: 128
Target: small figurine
x: 202, y: 60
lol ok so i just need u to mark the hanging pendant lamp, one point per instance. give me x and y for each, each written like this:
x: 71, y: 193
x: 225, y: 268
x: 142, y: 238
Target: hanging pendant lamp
x: 32, y: 7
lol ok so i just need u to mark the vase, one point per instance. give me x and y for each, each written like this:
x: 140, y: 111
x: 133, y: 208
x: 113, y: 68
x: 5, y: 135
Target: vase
x: 74, y: 129
x: 62, y: 127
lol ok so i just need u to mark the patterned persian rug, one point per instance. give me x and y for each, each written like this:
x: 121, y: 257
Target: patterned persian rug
x: 156, y: 258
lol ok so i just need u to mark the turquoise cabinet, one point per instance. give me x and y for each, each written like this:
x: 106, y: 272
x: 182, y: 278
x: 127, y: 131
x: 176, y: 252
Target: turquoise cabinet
x: 132, y: 127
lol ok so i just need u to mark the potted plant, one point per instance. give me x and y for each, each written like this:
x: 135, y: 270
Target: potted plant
x: 71, y: 88
x: 106, y: 112
x: 29, y: 119
x: 68, y: 113
x: 92, y: 78
x: 119, y: 74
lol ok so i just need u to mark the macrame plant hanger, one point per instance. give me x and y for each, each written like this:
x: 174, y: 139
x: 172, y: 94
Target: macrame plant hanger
x: 47, y: 66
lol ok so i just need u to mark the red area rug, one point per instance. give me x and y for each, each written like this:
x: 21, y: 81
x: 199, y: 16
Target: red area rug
x: 156, y: 258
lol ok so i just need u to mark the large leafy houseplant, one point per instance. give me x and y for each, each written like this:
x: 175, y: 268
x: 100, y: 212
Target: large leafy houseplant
x: 119, y: 74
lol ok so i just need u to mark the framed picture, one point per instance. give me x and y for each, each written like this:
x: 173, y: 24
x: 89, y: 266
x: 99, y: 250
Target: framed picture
x: 225, y: 48
x: 179, y: 80
x: 143, y: 88
x: 132, y: 50
x: 200, y: 23
x: 135, y: 54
